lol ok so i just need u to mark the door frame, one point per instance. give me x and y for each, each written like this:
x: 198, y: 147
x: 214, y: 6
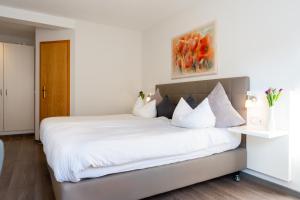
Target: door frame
x: 68, y: 73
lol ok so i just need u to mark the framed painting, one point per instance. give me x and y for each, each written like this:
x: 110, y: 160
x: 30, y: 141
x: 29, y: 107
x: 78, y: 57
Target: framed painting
x: 193, y: 53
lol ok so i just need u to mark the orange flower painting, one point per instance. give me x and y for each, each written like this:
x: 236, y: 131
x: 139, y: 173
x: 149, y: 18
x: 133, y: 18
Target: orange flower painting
x: 194, y: 53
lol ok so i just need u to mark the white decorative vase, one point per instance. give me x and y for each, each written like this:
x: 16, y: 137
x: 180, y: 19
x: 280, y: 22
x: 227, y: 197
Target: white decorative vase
x: 271, y: 125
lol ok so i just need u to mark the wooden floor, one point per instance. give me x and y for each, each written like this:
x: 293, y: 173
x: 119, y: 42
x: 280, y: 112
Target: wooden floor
x: 25, y: 177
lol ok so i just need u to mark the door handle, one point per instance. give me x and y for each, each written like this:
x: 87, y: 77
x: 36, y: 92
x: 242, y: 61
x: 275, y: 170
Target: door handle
x: 44, y: 92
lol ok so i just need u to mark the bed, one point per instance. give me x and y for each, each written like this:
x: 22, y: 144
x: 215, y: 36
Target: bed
x: 168, y: 157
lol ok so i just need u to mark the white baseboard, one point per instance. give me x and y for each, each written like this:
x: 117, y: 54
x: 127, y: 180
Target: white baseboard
x: 16, y: 132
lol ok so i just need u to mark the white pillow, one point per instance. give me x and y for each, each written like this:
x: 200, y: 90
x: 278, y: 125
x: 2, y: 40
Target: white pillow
x: 182, y: 109
x: 147, y: 110
x: 187, y: 117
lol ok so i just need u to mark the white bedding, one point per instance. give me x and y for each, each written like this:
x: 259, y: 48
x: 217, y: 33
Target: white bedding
x: 87, y: 147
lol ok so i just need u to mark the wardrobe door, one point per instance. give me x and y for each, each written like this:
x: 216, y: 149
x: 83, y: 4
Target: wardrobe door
x: 1, y: 86
x: 18, y: 87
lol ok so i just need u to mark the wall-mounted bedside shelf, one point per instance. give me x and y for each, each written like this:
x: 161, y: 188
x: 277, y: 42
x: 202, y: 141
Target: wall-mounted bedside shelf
x: 264, y: 151
x: 267, y: 134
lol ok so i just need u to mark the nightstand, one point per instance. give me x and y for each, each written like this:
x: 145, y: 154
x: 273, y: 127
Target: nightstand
x: 258, y: 132
x: 265, y: 153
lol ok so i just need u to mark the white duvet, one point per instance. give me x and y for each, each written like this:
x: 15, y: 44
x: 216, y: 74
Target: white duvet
x: 87, y: 147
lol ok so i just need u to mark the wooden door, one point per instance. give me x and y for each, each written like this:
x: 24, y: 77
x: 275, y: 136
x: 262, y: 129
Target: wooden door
x: 18, y: 87
x: 54, y: 79
x: 1, y: 86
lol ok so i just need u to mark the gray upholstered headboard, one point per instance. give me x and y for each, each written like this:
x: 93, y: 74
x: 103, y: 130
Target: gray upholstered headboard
x: 236, y: 89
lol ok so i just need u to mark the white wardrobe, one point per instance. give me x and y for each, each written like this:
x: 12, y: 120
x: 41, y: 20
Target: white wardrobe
x: 16, y: 88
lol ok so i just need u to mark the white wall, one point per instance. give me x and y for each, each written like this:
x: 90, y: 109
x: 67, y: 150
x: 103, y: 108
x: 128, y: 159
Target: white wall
x: 254, y: 38
x: 105, y: 68
x: 259, y: 39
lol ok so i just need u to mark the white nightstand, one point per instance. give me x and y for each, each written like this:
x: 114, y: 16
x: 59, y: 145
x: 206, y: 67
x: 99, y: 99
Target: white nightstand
x: 258, y: 132
x: 264, y: 152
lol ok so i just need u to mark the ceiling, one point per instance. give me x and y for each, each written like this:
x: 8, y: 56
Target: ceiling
x: 134, y: 14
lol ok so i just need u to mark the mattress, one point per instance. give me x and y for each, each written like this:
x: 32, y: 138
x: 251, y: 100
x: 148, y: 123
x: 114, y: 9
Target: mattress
x: 89, y: 147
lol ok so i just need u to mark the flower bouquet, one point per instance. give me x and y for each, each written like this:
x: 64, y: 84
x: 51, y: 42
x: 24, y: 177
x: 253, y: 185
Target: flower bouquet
x: 273, y: 96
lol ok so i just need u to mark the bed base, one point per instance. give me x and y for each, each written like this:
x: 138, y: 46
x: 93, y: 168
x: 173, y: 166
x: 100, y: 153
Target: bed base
x: 143, y: 183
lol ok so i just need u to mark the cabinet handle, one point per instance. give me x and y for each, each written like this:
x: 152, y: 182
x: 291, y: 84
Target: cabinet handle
x: 6, y: 92
x: 1, y: 92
